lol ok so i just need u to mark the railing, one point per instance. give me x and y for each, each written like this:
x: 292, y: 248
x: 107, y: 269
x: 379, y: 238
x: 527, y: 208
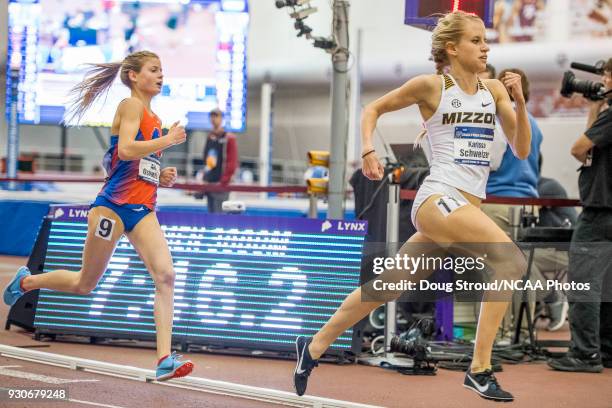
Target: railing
x: 83, y: 161
x: 245, y: 188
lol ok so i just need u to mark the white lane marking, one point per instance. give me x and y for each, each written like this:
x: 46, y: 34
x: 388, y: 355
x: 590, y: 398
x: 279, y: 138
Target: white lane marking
x: 7, y: 274
x: 97, y: 404
x: 38, y: 377
x: 190, y: 382
x: 11, y: 266
x: 3, y: 370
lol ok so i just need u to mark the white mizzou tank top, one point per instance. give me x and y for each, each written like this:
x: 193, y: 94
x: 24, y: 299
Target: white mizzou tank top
x: 460, y: 136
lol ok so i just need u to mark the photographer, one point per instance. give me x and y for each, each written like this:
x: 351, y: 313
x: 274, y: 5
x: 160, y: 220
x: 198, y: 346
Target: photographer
x: 590, y: 313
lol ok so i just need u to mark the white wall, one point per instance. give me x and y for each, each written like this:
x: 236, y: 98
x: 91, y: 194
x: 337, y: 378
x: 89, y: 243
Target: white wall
x: 302, y: 122
x: 392, y: 52
x: 559, y: 136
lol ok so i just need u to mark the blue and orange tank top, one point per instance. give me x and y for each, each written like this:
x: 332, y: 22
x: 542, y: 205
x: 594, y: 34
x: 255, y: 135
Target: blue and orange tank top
x: 133, y: 182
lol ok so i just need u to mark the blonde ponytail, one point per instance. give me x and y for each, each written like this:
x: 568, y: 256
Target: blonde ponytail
x: 450, y: 27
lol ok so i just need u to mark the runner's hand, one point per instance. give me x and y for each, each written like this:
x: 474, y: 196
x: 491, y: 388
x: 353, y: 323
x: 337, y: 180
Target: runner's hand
x: 372, y: 168
x: 167, y: 178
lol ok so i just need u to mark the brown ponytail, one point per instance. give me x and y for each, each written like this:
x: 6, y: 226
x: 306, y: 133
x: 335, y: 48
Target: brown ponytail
x: 98, y: 80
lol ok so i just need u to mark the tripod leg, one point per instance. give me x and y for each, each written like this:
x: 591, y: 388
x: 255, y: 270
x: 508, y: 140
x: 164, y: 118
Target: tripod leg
x: 524, y: 305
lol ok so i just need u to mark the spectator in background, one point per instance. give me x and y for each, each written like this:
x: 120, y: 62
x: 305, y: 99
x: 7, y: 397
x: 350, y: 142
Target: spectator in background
x: 511, y: 177
x: 220, y: 160
x: 490, y: 72
x: 514, y: 177
x: 550, y: 259
x: 554, y: 216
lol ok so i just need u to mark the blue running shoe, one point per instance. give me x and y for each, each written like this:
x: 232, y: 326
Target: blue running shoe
x: 13, y: 290
x: 171, y: 367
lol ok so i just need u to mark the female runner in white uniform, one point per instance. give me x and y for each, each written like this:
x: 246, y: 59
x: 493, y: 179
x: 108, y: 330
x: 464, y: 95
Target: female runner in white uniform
x: 459, y: 112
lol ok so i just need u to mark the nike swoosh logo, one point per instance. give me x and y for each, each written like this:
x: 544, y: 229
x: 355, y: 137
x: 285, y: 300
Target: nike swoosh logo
x: 478, y: 386
x: 138, y: 209
x: 484, y: 106
x: 300, y: 371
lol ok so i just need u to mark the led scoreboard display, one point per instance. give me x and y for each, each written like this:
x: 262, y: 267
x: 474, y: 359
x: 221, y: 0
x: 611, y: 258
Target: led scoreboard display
x: 423, y: 12
x: 252, y: 282
x: 202, y: 45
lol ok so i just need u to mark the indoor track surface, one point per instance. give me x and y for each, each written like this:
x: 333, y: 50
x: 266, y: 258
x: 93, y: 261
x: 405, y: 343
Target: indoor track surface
x: 533, y: 384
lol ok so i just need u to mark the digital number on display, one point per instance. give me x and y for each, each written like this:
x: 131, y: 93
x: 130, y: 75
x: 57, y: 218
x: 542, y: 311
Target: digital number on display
x: 240, y: 281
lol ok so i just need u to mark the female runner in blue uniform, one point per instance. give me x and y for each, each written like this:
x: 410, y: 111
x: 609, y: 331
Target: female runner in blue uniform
x: 126, y: 203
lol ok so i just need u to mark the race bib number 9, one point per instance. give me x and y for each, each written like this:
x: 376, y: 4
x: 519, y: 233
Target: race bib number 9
x: 473, y: 145
x: 149, y: 170
x: 105, y: 228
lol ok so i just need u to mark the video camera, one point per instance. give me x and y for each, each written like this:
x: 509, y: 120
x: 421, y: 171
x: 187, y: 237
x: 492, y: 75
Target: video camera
x: 594, y: 91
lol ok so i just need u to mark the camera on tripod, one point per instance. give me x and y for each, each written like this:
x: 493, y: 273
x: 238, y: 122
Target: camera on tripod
x: 418, y: 350
x: 594, y: 91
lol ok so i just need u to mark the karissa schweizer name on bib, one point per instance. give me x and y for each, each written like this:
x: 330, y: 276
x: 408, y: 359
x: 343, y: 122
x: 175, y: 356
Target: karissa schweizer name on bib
x: 473, y: 145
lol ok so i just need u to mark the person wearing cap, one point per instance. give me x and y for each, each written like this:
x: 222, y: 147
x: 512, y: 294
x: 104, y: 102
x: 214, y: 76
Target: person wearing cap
x: 220, y: 160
